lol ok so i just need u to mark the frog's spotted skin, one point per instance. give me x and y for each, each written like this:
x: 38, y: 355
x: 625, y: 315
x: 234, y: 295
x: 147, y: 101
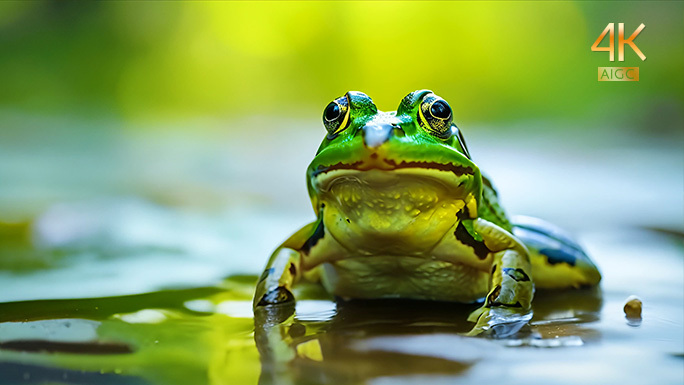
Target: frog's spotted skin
x: 404, y: 212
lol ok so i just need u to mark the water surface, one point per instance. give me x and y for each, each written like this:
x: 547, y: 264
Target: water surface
x: 132, y: 260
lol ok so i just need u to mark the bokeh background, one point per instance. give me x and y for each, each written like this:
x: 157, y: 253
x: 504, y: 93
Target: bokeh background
x: 152, y: 155
x: 185, y: 127
x: 494, y: 62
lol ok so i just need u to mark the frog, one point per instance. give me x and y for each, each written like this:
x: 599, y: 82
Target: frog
x: 404, y: 212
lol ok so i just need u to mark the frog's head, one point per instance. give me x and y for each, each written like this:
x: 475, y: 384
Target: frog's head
x: 403, y: 176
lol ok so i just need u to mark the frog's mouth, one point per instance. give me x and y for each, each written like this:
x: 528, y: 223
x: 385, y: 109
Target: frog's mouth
x: 380, y: 174
x: 389, y: 164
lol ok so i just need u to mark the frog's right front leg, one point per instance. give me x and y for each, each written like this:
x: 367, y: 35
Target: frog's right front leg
x: 284, y: 268
x: 275, y: 283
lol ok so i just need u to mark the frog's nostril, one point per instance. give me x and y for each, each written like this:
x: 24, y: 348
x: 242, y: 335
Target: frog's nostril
x: 375, y: 134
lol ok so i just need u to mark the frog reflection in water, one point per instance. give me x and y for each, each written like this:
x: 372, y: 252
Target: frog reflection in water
x: 404, y: 212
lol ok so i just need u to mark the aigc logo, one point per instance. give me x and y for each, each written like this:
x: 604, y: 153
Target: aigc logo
x: 618, y: 74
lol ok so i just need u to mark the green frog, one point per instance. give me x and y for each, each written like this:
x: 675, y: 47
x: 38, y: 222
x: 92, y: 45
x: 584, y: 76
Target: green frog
x: 403, y: 211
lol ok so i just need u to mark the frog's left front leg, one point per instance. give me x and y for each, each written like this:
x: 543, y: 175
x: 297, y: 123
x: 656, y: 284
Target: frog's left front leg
x: 507, y: 307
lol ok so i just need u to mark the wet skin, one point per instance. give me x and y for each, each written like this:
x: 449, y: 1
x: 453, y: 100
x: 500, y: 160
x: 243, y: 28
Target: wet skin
x: 404, y: 212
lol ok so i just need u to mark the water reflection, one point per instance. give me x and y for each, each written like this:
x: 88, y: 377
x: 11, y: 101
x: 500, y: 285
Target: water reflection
x: 365, y: 340
x: 208, y: 336
x: 14, y: 373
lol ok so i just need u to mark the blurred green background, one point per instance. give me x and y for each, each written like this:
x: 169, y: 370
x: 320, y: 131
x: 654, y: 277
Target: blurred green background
x: 493, y: 61
x: 162, y: 145
x: 213, y: 105
x: 217, y: 105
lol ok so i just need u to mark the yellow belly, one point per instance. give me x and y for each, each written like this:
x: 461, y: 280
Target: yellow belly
x: 403, y: 277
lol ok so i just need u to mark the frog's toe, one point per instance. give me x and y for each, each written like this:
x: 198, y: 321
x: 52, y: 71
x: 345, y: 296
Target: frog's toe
x: 498, y: 323
x: 476, y: 314
x: 279, y: 295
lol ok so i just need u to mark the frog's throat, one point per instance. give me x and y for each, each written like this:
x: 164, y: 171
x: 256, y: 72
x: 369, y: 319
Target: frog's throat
x: 391, y: 211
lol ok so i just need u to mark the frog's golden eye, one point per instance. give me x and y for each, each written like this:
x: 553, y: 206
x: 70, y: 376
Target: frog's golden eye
x: 336, y: 116
x: 435, y: 116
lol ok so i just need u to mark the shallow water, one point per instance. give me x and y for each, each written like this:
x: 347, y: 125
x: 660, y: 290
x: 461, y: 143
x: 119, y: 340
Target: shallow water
x: 206, y: 335
x: 121, y: 290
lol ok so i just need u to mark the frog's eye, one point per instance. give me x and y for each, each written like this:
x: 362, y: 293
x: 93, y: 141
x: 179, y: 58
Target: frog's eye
x: 440, y: 110
x: 435, y: 116
x: 336, y: 116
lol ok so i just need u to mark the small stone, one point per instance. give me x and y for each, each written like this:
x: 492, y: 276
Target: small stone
x: 633, y: 307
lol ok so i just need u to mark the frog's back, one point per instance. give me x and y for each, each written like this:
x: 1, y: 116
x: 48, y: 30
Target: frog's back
x: 557, y: 260
x: 490, y: 209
